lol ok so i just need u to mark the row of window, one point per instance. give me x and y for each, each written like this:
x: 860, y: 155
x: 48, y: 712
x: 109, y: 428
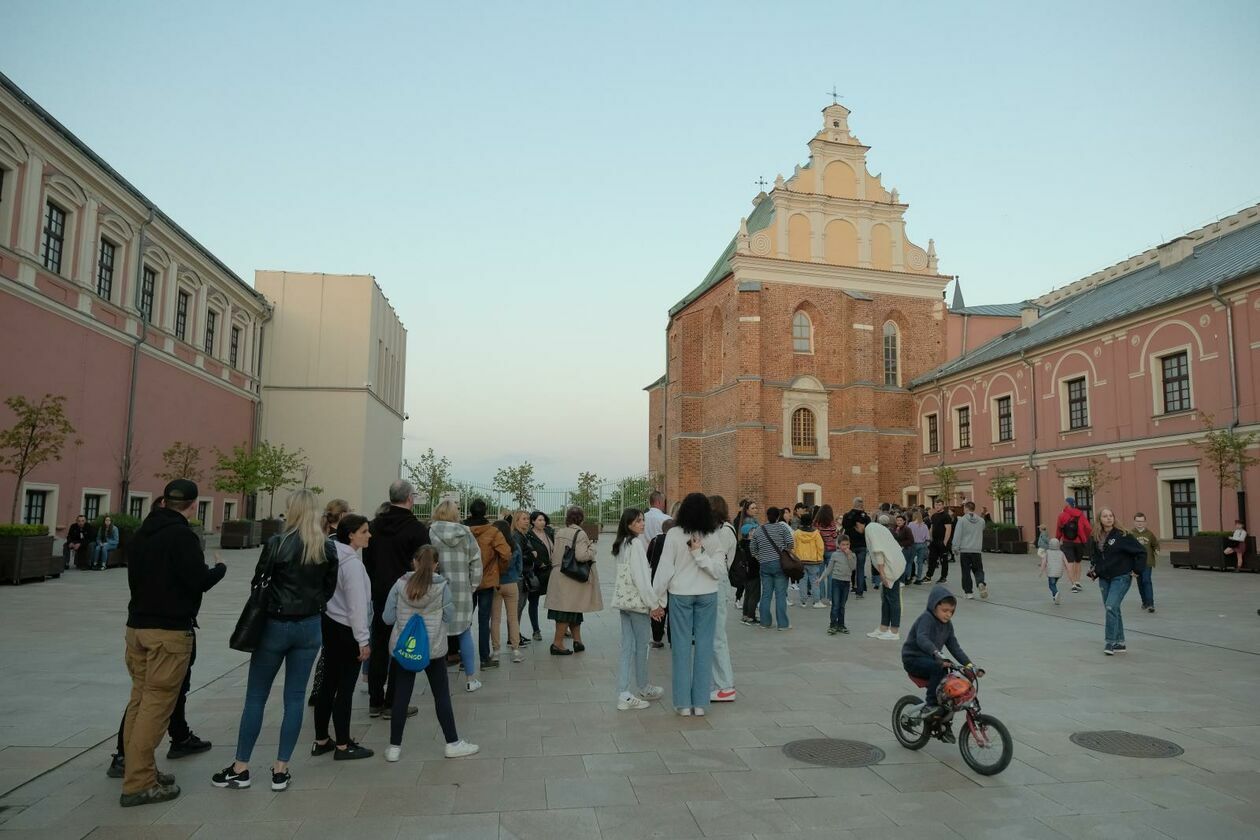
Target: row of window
x: 803, y: 342
x: 52, y: 251
x: 1174, y: 390
x: 36, y: 502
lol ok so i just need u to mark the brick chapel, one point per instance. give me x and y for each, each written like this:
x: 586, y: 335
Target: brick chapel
x: 787, y: 365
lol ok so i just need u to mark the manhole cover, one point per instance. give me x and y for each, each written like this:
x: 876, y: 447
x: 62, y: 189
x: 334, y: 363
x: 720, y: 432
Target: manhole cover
x: 1117, y: 742
x: 832, y: 752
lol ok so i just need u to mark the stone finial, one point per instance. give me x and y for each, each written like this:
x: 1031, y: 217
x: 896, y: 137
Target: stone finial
x: 779, y: 183
x: 741, y: 242
x: 931, y: 255
x: 896, y: 196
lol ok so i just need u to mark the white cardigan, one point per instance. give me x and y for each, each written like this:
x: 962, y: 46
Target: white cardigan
x: 683, y: 571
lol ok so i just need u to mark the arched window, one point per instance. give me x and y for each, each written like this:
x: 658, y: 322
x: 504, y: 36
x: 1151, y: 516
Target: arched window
x: 804, y: 433
x: 802, y: 334
x: 892, y: 350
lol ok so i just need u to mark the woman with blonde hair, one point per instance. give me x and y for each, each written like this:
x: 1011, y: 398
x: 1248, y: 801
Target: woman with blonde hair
x: 333, y: 511
x: 459, y: 561
x: 302, y: 566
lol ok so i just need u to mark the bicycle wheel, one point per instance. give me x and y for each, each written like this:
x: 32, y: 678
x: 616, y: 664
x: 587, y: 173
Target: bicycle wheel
x: 912, y: 733
x: 992, y: 757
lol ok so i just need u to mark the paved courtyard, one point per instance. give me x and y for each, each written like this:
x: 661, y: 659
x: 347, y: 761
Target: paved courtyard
x: 558, y: 761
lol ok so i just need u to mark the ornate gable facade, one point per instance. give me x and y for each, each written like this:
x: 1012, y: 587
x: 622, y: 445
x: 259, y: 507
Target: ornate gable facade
x: 787, y: 365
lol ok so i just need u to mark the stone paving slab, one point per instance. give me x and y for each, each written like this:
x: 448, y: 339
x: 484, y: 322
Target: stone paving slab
x: 559, y: 761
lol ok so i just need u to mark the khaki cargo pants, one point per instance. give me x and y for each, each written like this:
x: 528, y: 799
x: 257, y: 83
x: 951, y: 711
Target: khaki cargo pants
x: 157, y: 661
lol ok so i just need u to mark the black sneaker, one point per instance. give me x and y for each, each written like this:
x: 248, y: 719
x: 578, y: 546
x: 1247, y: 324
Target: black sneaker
x: 487, y: 664
x: 323, y: 749
x: 117, y: 767
x: 152, y: 796
x: 947, y: 736
x: 388, y: 713
x: 1120, y: 647
x: 189, y: 746
x: 833, y: 630
x: 351, y: 752
x: 226, y: 778
x: 375, y: 711
x: 280, y: 781
x: 844, y: 630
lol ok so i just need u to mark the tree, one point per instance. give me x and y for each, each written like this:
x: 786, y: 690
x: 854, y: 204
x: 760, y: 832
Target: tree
x: 469, y: 492
x: 237, y: 472
x: 586, y: 496
x: 518, y: 483
x: 430, y: 476
x: 1094, y: 475
x: 946, y: 480
x: 1225, y: 452
x: 38, y: 436
x: 632, y: 492
x: 278, y: 468
x: 1002, y: 486
x: 181, y: 460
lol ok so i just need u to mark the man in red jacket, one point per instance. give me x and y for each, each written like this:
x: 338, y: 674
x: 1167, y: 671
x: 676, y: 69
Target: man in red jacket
x: 1072, y: 531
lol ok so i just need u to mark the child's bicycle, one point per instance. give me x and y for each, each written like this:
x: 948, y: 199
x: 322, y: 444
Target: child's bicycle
x: 984, y: 741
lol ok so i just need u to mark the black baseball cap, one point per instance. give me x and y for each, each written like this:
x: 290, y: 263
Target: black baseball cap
x: 180, y: 490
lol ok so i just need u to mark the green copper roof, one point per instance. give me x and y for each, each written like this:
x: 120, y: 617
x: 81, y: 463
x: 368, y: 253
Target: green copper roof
x: 760, y: 219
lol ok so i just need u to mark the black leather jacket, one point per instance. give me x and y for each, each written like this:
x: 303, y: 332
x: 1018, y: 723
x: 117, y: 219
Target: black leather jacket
x: 298, y: 590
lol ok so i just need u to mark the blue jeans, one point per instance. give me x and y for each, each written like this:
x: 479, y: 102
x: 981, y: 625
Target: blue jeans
x: 295, y: 644
x: 468, y: 653
x: 1054, y: 586
x: 773, y: 583
x: 920, y: 559
x: 100, y: 554
x: 859, y: 576
x: 692, y: 619
x: 636, y: 633
x: 1113, y: 592
x: 926, y: 667
x: 1145, y: 589
x: 909, y: 552
x: 810, y: 583
x: 483, y: 603
x: 839, y: 594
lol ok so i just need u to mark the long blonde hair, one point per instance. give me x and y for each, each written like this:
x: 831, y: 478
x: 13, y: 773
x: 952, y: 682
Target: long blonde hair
x: 303, y: 519
x: 448, y: 511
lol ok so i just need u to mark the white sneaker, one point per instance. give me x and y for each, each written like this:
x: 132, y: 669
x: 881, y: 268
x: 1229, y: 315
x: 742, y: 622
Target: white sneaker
x: 472, y: 686
x: 890, y: 636
x: 984, y: 590
x: 1057, y: 600
x: 517, y: 656
x: 632, y: 703
x: 819, y: 605
x: 739, y: 603
x: 684, y: 712
x: 652, y: 692
x: 460, y: 749
x: 876, y: 634
x: 970, y: 597
x: 392, y: 753
x: 722, y: 695
x: 698, y: 712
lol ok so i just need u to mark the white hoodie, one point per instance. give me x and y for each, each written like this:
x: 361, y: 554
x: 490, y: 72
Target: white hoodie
x: 351, y: 603
x: 881, y: 545
x: 686, y: 572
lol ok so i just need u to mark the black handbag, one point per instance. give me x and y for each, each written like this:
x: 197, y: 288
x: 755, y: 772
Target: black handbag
x: 791, y: 565
x: 249, y: 627
x: 571, y: 567
x: 741, y: 567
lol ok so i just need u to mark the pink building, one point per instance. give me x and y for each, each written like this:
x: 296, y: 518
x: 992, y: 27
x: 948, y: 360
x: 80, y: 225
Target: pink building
x: 107, y: 301
x: 1113, y: 370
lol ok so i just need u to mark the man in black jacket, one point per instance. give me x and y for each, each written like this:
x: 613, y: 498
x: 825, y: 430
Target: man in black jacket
x: 167, y: 574
x: 857, y: 541
x: 396, y: 536
x: 78, y: 537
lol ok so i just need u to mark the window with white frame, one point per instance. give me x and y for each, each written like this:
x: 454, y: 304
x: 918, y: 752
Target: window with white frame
x: 962, y: 417
x: 1006, y: 510
x: 1077, y: 393
x: 892, y: 351
x: 229, y: 511
x: 234, y: 344
x: 1175, y: 371
x: 181, y: 315
x: 203, y: 513
x: 53, y: 241
x: 148, y: 289
x: 804, y: 432
x: 212, y: 321
x: 92, y: 505
x: 135, y: 506
x: 1184, y: 495
x: 1005, y: 419
x: 932, y: 434
x: 1084, y: 497
x: 35, y: 507
x: 802, y: 334
x: 105, y: 269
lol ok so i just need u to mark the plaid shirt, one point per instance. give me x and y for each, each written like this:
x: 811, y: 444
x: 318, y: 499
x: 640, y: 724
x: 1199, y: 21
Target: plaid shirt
x: 459, y: 559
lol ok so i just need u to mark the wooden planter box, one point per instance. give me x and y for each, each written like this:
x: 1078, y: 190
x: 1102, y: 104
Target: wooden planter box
x: 1014, y: 547
x: 270, y: 527
x: 990, y: 542
x: 240, y: 534
x: 28, y: 558
x: 1207, y: 551
x: 996, y: 539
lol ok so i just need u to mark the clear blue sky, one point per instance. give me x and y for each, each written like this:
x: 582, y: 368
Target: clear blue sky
x: 534, y: 184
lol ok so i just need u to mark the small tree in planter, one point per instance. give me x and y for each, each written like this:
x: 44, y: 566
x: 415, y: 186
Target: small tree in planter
x: 946, y: 481
x: 277, y: 469
x: 431, y: 477
x: 1225, y: 452
x: 38, y: 436
x: 1095, y: 476
x: 587, y: 498
x: 181, y: 460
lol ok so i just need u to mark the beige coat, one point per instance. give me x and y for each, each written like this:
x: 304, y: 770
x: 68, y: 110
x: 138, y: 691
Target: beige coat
x: 564, y: 594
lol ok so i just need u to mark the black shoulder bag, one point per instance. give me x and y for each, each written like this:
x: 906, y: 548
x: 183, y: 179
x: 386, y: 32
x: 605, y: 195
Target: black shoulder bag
x: 570, y: 566
x: 249, y: 627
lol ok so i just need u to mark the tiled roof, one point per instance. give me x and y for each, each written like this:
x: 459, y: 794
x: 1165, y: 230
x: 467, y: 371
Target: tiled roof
x: 1216, y: 261
x: 760, y: 218
x: 1000, y: 310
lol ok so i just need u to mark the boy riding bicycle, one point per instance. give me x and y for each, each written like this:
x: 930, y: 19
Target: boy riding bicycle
x: 923, y: 654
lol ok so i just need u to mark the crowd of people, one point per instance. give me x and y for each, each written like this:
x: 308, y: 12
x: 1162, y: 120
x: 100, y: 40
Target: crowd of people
x: 382, y: 598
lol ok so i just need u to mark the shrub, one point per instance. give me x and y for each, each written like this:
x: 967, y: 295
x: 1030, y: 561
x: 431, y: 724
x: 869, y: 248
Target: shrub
x: 1213, y: 533
x: 124, y: 522
x: 23, y: 530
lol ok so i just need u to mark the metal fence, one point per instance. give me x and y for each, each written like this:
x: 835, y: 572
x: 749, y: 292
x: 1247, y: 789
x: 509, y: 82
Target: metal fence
x: 602, y: 503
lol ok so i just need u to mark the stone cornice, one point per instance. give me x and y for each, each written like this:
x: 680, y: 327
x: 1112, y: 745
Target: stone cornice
x: 875, y: 281
x: 788, y: 199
